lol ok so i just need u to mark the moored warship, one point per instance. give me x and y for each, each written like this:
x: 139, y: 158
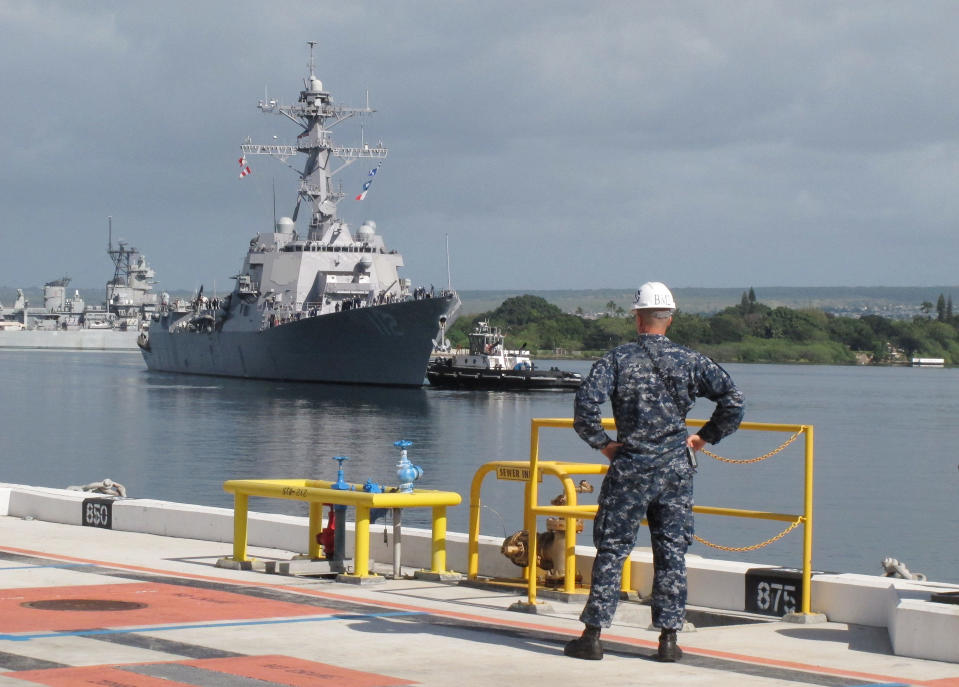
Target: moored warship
x: 324, y: 305
x: 69, y: 322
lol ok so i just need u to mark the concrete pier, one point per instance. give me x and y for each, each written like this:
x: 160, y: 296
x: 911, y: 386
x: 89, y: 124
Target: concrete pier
x: 85, y: 605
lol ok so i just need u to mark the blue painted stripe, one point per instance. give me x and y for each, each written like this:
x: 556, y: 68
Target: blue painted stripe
x: 200, y: 626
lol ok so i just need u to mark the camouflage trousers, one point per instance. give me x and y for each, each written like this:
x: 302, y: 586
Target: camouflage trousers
x: 665, y: 497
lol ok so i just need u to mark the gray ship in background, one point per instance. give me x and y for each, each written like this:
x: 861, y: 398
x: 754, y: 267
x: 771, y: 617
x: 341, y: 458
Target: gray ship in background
x: 325, y: 304
x: 69, y: 322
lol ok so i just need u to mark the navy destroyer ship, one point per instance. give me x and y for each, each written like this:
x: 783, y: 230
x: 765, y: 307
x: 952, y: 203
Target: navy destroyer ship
x: 69, y: 322
x: 321, y: 304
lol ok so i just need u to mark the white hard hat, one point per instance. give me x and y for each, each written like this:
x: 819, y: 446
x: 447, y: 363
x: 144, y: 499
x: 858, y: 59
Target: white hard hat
x: 653, y: 295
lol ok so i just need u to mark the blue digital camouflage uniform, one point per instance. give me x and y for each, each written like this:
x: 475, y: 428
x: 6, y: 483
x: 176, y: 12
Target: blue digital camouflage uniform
x: 650, y: 475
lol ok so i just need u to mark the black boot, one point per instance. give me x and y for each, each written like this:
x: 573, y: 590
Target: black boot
x: 669, y: 650
x: 586, y: 646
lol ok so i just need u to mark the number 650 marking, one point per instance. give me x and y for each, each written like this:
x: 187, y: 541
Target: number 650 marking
x: 98, y: 513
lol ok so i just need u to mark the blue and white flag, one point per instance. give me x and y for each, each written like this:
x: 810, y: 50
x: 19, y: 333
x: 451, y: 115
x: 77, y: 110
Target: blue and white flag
x: 369, y: 182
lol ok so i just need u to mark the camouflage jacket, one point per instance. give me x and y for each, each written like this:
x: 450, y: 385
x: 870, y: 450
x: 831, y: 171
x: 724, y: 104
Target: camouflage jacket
x: 648, y: 422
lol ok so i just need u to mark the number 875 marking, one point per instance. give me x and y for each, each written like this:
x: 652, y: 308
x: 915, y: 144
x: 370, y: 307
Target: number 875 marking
x: 784, y: 593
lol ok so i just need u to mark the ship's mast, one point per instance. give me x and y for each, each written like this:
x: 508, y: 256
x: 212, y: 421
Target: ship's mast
x: 130, y: 271
x: 316, y: 113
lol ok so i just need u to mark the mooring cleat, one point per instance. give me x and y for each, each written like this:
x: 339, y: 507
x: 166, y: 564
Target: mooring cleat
x: 669, y: 651
x: 587, y: 647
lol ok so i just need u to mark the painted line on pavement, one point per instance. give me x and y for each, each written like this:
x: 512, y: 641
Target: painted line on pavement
x: 201, y: 626
x: 37, y: 567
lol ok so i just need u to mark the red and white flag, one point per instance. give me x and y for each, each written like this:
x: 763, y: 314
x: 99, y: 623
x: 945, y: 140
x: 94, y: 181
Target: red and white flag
x: 244, y: 168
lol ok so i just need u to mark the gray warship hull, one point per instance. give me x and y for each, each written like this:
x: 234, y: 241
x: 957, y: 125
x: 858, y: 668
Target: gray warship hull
x: 387, y: 344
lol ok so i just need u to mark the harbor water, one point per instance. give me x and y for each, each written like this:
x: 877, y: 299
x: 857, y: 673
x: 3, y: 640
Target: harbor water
x: 886, y: 478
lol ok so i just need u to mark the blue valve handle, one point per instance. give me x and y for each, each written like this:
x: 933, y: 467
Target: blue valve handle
x: 340, y: 482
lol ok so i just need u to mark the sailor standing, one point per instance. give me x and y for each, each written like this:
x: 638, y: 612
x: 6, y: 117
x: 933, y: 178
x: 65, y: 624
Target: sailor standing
x: 652, y: 384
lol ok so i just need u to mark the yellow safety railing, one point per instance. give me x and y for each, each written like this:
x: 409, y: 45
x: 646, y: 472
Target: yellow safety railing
x: 533, y: 470
x: 319, y: 492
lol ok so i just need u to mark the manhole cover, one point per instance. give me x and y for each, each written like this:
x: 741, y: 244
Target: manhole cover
x: 83, y: 605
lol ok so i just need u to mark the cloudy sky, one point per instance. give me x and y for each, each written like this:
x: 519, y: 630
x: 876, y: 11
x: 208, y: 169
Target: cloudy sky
x: 556, y: 144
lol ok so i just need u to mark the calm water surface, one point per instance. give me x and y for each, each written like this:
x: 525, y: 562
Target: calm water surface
x: 886, y: 480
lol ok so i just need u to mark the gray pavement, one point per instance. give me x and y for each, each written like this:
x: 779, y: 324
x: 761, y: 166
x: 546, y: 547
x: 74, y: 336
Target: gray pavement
x: 87, y: 606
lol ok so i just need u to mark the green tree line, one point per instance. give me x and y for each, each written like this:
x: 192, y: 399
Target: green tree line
x: 748, y: 332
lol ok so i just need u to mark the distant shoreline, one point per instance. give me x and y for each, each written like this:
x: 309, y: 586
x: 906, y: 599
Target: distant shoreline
x: 896, y: 302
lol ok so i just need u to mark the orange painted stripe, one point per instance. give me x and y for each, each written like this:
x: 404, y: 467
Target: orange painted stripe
x: 275, y: 669
x: 165, y: 604
x: 819, y: 669
x: 294, y: 672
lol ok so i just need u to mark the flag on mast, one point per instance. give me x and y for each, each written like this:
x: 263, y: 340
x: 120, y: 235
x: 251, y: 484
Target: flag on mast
x: 369, y: 182
x: 244, y: 168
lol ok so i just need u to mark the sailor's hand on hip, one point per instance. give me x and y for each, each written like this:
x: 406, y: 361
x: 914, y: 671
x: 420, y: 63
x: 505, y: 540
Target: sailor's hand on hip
x: 610, y: 449
x: 695, y: 442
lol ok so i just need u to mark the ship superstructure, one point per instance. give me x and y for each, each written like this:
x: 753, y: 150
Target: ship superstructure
x: 324, y: 303
x: 129, y: 295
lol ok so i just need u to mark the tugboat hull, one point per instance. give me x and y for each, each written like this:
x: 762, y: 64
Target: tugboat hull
x: 441, y: 374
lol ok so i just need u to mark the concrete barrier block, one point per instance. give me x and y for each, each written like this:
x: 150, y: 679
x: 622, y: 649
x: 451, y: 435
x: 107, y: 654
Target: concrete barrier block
x: 641, y: 572
x: 275, y: 531
x: 924, y: 629
x: 50, y: 505
x: 860, y: 599
x: 717, y: 584
x: 4, y: 501
x: 170, y: 519
x: 417, y: 548
x: 495, y: 564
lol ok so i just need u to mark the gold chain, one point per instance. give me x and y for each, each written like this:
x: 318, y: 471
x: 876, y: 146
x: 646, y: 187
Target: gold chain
x: 754, y: 460
x: 754, y: 546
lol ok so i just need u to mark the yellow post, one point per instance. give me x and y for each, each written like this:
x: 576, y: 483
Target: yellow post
x: 361, y: 555
x: 532, y: 496
x: 472, y: 562
x: 569, y: 566
x: 527, y: 519
x: 316, y: 524
x: 439, y: 540
x: 807, y: 525
x: 240, y: 506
